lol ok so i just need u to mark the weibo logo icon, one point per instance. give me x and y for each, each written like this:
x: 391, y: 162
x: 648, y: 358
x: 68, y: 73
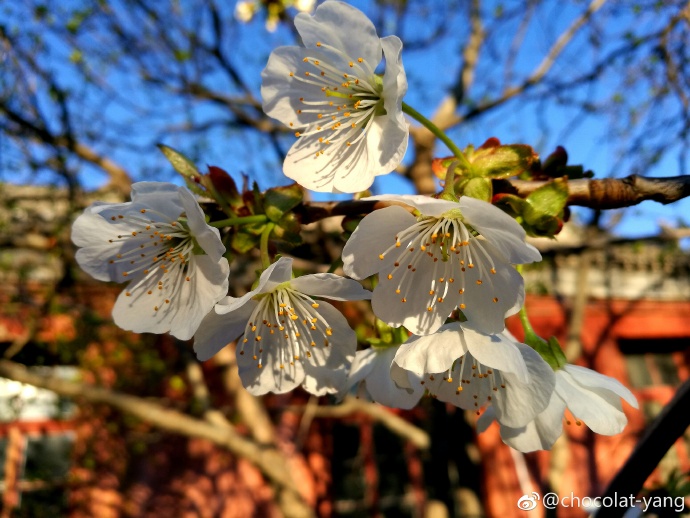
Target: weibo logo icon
x: 527, y: 502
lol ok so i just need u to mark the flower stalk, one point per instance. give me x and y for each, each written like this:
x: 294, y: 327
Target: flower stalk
x: 240, y: 220
x: 438, y: 132
x: 263, y: 245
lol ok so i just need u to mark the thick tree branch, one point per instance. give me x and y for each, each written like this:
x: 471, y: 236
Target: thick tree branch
x: 611, y: 193
x: 607, y: 193
x: 269, y: 460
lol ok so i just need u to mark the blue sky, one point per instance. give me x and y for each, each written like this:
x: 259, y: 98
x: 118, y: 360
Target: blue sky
x: 138, y: 112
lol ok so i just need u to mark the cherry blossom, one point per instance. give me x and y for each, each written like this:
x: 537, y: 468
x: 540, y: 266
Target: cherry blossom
x: 288, y: 338
x: 161, y: 245
x: 470, y: 369
x: 347, y: 119
x: 451, y: 255
x: 590, y: 397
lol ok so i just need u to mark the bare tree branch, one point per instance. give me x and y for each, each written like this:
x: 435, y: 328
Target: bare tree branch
x: 269, y: 460
x: 377, y: 413
x: 606, y: 193
x: 542, y: 69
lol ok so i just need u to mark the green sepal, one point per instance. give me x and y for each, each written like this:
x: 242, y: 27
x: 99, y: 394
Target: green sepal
x: 287, y: 229
x: 491, y: 160
x: 243, y: 242
x: 279, y: 200
x: 479, y: 188
x: 543, y: 211
x: 495, y: 160
x: 550, y: 350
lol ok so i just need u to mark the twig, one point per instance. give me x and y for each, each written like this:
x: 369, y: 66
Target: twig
x: 380, y: 414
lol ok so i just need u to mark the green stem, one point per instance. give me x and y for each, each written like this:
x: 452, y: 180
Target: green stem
x: 335, y: 265
x: 265, y: 258
x: 240, y: 220
x: 438, y: 132
x: 524, y: 319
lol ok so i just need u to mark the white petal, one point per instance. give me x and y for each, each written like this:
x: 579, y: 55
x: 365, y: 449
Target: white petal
x: 432, y: 353
x: 208, y: 237
x: 425, y: 204
x: 92, y: 232
x: 414, y: 313
x: 382, y: 387
x: 216, y: 331
x: 207, y: 285
x: 330, y: 286
x: 374, y: 234
x: 501, y: 230
x: 592, y: 379
x: 601, y: 410
x: 506, y: 285
x: 362, y: 366
x: 341, y: 169
x: 281, y: 92
x: 497, y: 352
x: 159, y: 196
x: 188, y: 301
x: 270, y: 377
x: 394, y: 82
x: 519, y: 402
x: 277, y: 273
x: 326, y: 370
x: 539, y: 434
x: 344, y: 27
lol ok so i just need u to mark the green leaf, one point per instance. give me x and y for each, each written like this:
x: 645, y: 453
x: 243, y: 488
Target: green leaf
x: 280, y: 200
x: 180, y: 163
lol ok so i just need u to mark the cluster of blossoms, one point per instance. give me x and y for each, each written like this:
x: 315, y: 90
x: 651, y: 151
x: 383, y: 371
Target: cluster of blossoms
x: 445, y: 266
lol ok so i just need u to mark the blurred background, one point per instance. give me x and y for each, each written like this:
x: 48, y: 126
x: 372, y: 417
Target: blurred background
x: 95, y: 421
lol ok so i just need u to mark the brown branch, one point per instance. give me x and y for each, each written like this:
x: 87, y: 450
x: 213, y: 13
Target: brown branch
x: 611, y: 193
x: 377, y: 413
x: 119, y: 178
x: 269, y: 460
x: 542, y: 69
x: 607, y: 193
x: 250, y: 408
x: 423, y: 140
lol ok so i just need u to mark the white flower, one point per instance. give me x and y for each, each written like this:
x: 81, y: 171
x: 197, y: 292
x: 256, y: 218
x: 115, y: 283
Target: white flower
x: 590, y: 397
x: 348, y: 120
x: 289, y: 338
x: 471, y: 369
x: 159, y: 243
x: 454, y: 254
x: 373, y: 375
